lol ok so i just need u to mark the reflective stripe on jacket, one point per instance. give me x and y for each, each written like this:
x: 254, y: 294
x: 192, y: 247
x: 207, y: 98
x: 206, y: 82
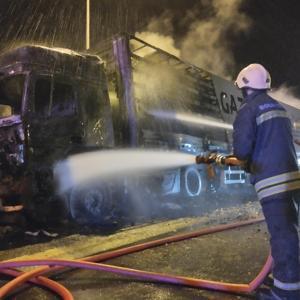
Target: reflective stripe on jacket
x: 278, y: 184
x: 287, y: 286
x: 263, y: 136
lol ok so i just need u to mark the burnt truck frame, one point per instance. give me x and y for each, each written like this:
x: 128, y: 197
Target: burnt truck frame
x: 49, y: 93
x: 55, y: 102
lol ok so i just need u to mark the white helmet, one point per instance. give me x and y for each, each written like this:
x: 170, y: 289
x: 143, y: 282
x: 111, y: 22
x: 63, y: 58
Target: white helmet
x: 254, y: 76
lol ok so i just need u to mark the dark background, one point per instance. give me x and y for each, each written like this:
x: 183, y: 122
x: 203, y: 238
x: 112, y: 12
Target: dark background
x: 273, y: 39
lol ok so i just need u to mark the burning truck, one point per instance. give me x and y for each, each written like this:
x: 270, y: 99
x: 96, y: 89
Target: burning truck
x: 55, y: 102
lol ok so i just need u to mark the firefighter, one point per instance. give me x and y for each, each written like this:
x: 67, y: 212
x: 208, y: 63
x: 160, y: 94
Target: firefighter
x: 262, y: 136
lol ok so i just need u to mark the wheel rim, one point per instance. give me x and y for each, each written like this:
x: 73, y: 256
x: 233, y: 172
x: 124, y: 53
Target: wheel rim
x: 193, y: 182
x: 88, y: 205
x: 94, y: 201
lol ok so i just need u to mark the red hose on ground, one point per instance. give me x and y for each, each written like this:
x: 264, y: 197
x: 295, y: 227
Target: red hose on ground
x: 54, y: 286
x: 171, y: 239
x: 152, y: 276
x: 229, y: 287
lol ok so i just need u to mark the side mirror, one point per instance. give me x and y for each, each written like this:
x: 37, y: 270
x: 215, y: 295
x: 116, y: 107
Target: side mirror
x: 5, y: 111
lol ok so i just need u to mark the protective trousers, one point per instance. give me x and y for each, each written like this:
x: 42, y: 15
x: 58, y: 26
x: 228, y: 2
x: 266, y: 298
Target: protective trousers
x: 282, y: 220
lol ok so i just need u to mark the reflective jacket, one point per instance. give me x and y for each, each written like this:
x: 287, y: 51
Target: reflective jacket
x: 263, y: 136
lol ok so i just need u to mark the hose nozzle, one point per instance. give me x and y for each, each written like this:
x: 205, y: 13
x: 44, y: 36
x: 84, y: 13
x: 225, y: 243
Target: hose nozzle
x: 200, y: 159
x: 219, y: 159
x: 207, y: 159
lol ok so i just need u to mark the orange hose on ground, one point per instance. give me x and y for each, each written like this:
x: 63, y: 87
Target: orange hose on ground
x: 258, y: 280
x: 54, y: 286
x: 171, y: 239
x: 237, y: 288
x: 143, y: 246
x: 152, y: 276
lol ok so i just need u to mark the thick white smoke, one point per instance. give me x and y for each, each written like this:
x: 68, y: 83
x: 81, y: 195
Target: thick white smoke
x: 286, y: 95
x: 159, y: 33
x: 206, y: 43
x: 160, y: 87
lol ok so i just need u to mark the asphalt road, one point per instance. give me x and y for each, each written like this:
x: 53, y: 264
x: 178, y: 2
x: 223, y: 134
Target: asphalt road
x: 232, y: 256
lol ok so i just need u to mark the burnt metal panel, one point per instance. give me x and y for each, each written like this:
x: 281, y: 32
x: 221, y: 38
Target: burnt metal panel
x: 122, y: 56
x: 55, y: 60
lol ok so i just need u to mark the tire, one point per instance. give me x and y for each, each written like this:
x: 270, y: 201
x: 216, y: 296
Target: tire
x: 193, y: 182
x: 91, y: 205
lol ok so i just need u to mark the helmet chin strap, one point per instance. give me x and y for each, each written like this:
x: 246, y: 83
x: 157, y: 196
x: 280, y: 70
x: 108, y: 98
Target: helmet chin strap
x: 246, y: 91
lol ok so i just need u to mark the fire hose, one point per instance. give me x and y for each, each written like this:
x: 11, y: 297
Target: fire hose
x: 53, y: 265
x: 87, y: 263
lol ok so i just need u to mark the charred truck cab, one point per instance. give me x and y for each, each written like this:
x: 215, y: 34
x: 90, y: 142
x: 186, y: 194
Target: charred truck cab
x: 55, y: 102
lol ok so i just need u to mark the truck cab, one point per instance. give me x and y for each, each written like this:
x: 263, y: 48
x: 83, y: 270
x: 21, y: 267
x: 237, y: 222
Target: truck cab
x: 53, y: 102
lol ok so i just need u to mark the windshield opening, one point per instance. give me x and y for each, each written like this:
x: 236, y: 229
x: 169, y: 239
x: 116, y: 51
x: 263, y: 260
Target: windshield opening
x: 54, y: 98
x: 11, y: 92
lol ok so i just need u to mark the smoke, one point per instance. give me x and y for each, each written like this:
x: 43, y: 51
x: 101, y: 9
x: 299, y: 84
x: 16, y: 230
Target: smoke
x: 164, y: 90
x: 207, y: 42
x: 286, y: 95
x: 161, y: 41
x: 159, y: 33
x: 158, y: 87
x: 204, y: 42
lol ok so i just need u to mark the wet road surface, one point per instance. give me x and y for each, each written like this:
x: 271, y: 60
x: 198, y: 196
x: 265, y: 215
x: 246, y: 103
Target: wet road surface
x: 232, y: 256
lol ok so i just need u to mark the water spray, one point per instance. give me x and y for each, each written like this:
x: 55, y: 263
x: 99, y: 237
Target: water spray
x: 195, y: 119
x: 109, y: 164
x: 87, y: 167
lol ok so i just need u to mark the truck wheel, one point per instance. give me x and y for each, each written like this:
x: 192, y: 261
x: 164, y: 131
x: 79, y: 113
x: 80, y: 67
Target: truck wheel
x: 91, y: 205
x: 193, y: 183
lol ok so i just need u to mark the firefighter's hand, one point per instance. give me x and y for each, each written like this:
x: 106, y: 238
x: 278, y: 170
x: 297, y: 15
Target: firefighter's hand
x: 232, y: 160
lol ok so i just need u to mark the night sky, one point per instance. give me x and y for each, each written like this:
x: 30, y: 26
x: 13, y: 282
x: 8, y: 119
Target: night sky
x: 273, y: 36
